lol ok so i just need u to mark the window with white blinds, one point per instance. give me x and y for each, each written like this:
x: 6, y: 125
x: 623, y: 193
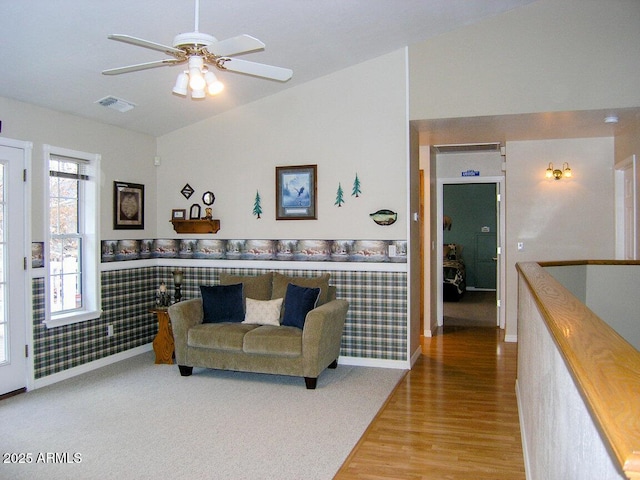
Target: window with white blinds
x: 73, y: 292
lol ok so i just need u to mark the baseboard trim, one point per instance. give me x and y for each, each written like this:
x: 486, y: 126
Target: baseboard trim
x: 374, y: 362
x: 87, y: 367
x: 511, y: 338
x: 416, y: 355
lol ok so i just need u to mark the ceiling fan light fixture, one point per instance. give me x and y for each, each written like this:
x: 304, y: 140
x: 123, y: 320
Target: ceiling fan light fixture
x: 214, y: 86
x: 198, y: 93
x: 196, y: 76
x: 196, y: 80
x: 182, y: 82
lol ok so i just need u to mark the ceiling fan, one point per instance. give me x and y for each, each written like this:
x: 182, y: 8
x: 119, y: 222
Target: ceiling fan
x: 199, y: 50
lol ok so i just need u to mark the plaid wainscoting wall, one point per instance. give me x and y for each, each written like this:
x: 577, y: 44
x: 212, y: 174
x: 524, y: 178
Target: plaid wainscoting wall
x: 376, y: 326
x: 127, y: 296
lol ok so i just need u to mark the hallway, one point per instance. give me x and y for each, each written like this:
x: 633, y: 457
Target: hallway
x: 476, y: 308
x: 454, y: 416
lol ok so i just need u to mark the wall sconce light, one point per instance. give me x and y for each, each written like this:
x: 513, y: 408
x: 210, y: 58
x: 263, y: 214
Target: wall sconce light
x: 177, y: 281
x: 557, y: 173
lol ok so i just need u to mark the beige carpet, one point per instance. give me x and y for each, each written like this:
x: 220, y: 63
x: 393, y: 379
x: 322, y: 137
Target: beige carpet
x: 475, y: 308
x: 135, y: 419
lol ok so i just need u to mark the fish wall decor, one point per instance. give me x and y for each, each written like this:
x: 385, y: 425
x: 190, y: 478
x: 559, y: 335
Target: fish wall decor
x: 384, y: 217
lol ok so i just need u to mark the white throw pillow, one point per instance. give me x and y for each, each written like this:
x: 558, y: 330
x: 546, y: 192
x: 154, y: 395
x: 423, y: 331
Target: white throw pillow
x: 263, y: 312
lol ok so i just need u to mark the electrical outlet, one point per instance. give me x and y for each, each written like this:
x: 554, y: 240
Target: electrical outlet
x: 520, y: 246
x: 110, y: 330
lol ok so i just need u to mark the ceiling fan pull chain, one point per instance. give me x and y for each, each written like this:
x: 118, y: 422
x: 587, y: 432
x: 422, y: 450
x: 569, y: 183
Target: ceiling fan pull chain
x: 197, y: 20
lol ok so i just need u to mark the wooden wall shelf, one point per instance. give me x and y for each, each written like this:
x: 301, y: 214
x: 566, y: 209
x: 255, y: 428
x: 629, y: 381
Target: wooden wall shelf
x: 196, y: 226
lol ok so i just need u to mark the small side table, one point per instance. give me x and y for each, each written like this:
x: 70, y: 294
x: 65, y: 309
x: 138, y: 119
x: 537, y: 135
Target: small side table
x: 163, y: 344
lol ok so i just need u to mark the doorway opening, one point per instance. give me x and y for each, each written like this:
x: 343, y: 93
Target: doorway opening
x: 626, y: 198
x: 469, y: 254
x: 470, y: 268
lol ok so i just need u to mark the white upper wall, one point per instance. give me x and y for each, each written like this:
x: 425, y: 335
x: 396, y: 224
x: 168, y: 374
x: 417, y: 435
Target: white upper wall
x: 352, y: 121
x: 551, y: 55
x: 566, y: 219
x: 126, y: 156
x: 451, y: 165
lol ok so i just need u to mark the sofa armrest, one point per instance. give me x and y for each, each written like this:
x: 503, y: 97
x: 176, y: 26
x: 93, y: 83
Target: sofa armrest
x: 322, y: 335
x: 184, y: 315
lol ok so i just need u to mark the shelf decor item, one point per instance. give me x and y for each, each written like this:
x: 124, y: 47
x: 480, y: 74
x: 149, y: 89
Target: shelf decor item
x: 128, y: 206
x: 194, y: 212
x: 296, y: 190
x: 178, y: 214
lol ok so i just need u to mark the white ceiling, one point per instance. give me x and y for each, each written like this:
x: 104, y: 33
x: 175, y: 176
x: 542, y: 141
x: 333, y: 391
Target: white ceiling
x: 52, y: 53
x: 531, y: 126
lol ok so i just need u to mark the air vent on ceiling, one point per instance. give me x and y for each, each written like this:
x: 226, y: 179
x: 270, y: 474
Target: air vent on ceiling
x: 116, y: 103
x: 468, y: 147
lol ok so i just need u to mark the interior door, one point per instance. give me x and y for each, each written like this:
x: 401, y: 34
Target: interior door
x: 13, y: 318
x: 485, y: 261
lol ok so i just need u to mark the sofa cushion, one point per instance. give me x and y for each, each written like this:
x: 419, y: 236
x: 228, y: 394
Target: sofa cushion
x: 272, y: 340
x: 221, y: 336
x: 280, y: 283
x: 297, y: 303
x: 222, y: 303
x: 263, y: 312
x: 257, y: 287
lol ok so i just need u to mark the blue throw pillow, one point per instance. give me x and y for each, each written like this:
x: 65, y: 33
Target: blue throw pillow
x: 222, y: 303
x: 298, y: 301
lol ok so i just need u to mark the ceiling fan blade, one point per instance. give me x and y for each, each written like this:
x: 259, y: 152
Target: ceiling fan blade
x: 142, y: 66
x: 255, y: 69
x: 176, y: 52
x: 235, y: 45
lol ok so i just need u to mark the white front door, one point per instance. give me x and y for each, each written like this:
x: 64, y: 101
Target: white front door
x: 13, y: 318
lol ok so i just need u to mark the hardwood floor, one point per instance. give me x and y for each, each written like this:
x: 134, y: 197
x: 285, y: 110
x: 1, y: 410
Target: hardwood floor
x: 454, y: 415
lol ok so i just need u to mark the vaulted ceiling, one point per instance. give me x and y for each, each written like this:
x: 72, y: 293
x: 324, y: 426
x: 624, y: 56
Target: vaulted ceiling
x: 52, y: 53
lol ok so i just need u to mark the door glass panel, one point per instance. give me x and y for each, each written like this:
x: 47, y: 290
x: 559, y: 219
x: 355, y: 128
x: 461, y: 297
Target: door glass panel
x: 3, y: 344
x: 3, y: 303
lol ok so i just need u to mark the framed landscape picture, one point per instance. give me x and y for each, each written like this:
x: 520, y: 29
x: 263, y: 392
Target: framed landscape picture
x: 128, y: 206
x: 296, y: 189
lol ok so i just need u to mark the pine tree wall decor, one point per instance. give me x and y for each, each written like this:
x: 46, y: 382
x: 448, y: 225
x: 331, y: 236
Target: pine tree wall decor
x: 339, y: 196
x: 355, y: 192
x: 257, y: 208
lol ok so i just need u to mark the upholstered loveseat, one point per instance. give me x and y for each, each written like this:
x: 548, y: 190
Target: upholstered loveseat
x: 269, y: 323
